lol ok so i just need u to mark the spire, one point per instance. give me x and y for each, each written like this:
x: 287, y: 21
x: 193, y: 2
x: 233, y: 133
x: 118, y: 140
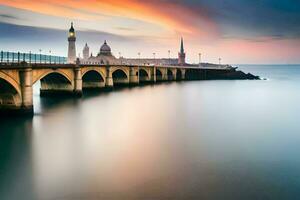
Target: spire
x: 72, y: 28
x: 105, y: 42
x: 181, y: 54
x: 181, y: 46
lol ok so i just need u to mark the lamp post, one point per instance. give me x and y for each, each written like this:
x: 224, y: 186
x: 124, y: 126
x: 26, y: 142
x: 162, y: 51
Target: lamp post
x: 154, y: 58
x: 120, y: 57
x: 40, y: 50
x: 169, y: 52
x: 50, y: 56
x: 139, y: 54
x: 199, y: 59
x: 220, y: 62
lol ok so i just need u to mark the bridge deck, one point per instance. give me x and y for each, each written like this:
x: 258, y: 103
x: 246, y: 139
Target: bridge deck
x: 54, y: 65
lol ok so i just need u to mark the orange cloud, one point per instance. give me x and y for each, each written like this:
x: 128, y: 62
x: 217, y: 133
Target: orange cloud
x: 172, y: 16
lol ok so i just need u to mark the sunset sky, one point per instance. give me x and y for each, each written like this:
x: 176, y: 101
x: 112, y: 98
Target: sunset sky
x: 238, y: 31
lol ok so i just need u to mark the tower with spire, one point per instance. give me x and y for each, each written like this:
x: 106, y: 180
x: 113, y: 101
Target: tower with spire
x: 181, y: 54
x: 86, y: 51
x: 72, y: 46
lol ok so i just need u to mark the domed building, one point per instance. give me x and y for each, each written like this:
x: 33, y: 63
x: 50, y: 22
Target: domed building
x: 103, y: 57
x: 105, y: 50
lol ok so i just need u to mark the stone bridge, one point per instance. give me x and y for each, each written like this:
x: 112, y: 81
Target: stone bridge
x: 17, y: 80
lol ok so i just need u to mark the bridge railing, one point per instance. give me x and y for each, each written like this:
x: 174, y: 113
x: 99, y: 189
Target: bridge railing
x: 13, y: 57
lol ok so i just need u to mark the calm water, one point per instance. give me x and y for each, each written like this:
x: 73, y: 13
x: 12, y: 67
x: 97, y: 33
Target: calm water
x: 191, y: 140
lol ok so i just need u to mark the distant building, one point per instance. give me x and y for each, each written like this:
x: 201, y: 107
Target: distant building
x: 159, y: 61
x: 86, y: 51
x: 103, y: 57
x: 72, y: 47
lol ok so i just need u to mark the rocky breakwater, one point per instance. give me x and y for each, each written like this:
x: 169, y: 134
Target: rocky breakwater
x: 208, y: 71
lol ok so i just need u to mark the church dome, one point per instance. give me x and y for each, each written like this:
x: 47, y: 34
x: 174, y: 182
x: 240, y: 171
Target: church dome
x: 105, y: 49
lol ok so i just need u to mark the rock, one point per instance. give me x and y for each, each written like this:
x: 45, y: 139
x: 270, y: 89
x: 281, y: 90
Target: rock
x: 239, y: 75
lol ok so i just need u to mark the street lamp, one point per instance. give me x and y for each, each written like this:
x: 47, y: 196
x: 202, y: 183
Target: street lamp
x: 139, y: 54
x: 50, y: 56
x: 154, y: 58
x: 199, y: 59
x: 169, y: 52
x: 40, y: 50
x: 120, y: 57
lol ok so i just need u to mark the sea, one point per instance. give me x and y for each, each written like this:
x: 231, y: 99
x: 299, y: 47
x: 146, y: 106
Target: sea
x: 216, y: 139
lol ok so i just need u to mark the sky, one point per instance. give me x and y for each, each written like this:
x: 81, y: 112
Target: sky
x: 238, y: 31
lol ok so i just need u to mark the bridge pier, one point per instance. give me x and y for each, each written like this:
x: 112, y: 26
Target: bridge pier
x: 183, y: 74
x: 165, y: 75
x: 109, y: 83
x: 77, y: 81
x: 134, y: 76
x: 26, y: 90
x: 153, y: 75
x: 173, y: 76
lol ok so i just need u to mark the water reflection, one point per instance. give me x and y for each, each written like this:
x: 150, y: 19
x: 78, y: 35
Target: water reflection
x: 193, y: 140
x: 15, y: 159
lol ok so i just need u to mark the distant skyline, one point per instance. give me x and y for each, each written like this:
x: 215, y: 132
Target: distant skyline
x: 240, y: 32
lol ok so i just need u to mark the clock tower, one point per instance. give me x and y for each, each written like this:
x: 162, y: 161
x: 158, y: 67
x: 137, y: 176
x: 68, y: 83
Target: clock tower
x: 72, y: 46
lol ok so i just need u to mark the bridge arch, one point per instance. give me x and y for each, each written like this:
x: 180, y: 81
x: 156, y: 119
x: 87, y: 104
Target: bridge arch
x: 120, y: 77
x: 159, y: 75
x: 49, y: 72
x: 92, y: 79
x: 143, y: 75
x: 179, y: 75
x: 55, y: 83
x: 170, y: 75
x: 10, y: 92
x: 191, y: 74
x: 11, y: 81
x: 123, y: 69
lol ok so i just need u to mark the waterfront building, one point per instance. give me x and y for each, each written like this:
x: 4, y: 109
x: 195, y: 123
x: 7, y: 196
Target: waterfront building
x: 104, y: 56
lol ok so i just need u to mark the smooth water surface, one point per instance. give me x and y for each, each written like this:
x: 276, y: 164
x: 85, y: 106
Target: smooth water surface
x: 189, y: 140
